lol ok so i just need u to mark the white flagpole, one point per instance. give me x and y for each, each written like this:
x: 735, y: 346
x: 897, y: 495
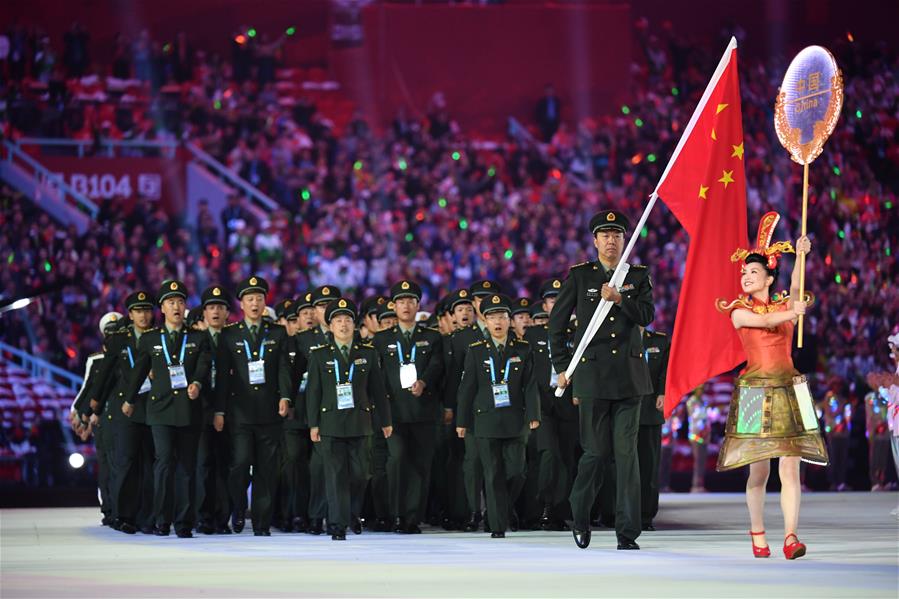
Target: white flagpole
x: 602, y: 310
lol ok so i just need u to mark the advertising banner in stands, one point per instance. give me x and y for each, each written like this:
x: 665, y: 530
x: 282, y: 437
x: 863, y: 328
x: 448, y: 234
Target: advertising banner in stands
x: 153, y: 180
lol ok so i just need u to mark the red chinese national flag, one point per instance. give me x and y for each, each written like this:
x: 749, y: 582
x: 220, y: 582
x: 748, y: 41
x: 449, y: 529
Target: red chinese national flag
x: 705, y: 187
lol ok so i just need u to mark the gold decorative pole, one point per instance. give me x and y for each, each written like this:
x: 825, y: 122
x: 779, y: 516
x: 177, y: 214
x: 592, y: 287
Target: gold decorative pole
x: 802, y: 256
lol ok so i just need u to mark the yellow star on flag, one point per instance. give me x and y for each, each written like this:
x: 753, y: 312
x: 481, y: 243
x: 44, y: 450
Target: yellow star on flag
x: 726, y: 177
x: 738, y: 151
x: 714, y: 136
x: 702, y: 190
x: 720, y: 108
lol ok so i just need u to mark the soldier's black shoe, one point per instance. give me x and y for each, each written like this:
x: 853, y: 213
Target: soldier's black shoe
x: 224, y: 529
x: 356, y: 525
x: 162, y: 531
x: 106, y: 521
x: 649, y: 526
x: 399, y: 527
x: 625, y: 544
x: 497, y: 535
x: 286, y: 526
x: 338, y: 534
x: 148, y: 530
x: 487, y: 522
x: 184, y: 533
x: 474, y: 522
x: 581, y: 537
x: 127, y: 528
x: 238, y: 521
x: 299, y: 524
x: 546, y: 518
x: 316, y: 527
x: 205, y: 528
x: 262, y: 533
x: 413, y: 529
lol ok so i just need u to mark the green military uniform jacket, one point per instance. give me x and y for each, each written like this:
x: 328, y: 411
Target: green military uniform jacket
x: 240, y: 401
x: 393, y: 350
x: 476, y: 405
x: 167, y: 406
x: 612, y: 366
x: 115, y: 375
x: 561, y: 408
x: 370, y: 404
x: 459, y: 343
x: 656, y: 348
x: 298, y: 361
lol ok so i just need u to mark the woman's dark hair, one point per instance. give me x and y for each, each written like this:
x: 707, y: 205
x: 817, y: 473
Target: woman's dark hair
x: 755, y: 258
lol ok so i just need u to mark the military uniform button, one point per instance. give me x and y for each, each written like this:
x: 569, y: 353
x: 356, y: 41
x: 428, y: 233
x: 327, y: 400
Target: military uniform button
x: 583, y: 359
x: 612, y: 318
x: 614, y: 351
x: 613, y: 335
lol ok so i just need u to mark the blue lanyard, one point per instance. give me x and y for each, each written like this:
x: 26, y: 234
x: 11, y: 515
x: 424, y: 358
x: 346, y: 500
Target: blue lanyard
x: 402, y: 355
x: 165, y: 349
x: 337, y: 370
x: 130, y: 355
x: 246, y: 346
x: 493, y: 371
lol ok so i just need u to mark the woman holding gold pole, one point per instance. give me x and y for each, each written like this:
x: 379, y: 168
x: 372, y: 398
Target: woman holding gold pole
x: 771, y: 414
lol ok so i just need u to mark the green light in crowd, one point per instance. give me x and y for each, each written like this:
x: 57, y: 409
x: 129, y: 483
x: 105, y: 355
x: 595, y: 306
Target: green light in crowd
x: 217, y: 104
x: 159, y: 242
x: 456, y: 155
x: 305, y: 195
x: 442, y: 202
x: 888, y: 205
x: 47, y: 266
x: 357, y: 165
x: 841, y: 235
x: 836, y: 170
x: 625, y: 109
x: 858, y: 114
x: 675, y: 91
x: 463, y: 224
x: 251, y: 32
x: 508, y: 255
x: 638, y: 122
x: 833, y: 193
x: 409, y: 237
x: 887, y: 251
x: 491, y: 171
x: 651, y: 158
x: 402, y: 164
x: 291, y: 30
x: 838, y: 279
x: 644, y: 232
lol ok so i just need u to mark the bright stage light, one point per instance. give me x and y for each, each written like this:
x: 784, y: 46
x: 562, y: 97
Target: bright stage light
x: 76, y: 460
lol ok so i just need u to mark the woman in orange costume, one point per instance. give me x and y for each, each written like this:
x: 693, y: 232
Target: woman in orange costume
x: 771, y: 414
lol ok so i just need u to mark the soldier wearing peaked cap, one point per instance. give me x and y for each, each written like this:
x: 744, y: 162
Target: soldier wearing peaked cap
x: 132, y: 484
x: 499, y: 396
x: 345, y: 401
x: 178, y: 360
x: 611, y: 378
x: 214, y: 457
x: 253, y: 391
x: 521, y: 316
x: 412, y: 360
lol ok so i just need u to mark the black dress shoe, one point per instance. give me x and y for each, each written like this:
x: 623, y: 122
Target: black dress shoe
x: 224, y: 529
x: 399, y: 527
x: 238, y: 521
x: 127, y: 528
x: 317, y: 527
x: 299, y: 524
x: 649, y: 527
x: 487, y: 523
x: 474, y: 522
x: 356, y: 526
x: 413, y: 529
x: 285, y: 526
x: 338, y: 534
x: 262, y: 533
x: 106, y: 521
x: 546, y: 521
x: 497, y: 535
x: 205, y: 528
x: 581, y: 537
x: 162, y: 531
x: 184, y: 533
x: 625, y: 544
x: 148, y: 530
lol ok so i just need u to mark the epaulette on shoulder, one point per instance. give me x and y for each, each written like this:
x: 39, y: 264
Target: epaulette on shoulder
x: 521, y: 341
x: 435, y: 329
x: 123, y: 331
x: 638, y: 266
x: 580, y: 265
x: 318, y: 347
x: 231, y: 324
x: 661, y: 333
x: 477, y: 343
x: 367, y: 344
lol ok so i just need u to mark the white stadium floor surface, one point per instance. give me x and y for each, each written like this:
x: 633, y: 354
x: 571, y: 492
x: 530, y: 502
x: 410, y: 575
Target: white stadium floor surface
x: 701, y: 549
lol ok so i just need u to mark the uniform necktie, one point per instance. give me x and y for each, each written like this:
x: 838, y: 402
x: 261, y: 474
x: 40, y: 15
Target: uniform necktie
x: 500, y: 348
x: 408, y: 336
x: 215, y: 339
x: 253, y: 329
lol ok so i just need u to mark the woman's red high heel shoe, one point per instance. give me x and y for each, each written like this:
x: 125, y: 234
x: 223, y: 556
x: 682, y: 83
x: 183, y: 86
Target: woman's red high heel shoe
x: 794, y: 549
x: 759, y: 551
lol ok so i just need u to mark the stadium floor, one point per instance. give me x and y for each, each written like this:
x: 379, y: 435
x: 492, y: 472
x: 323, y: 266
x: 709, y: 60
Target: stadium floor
x: 700, y: 550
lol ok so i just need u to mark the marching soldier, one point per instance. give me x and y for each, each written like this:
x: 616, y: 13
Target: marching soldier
x: 498, y: 396
x: 386, y: 316
x: 316, y: 336
x: 132, y: 486
x: 345, y: 398
x: 213, y: 458
x: 412, y: 363
x: 649, y: 441
x: 521, y: 317
x: 178, y: 359
x: 253, y: 391
x: 557, y: 437
x: 612, y: 376
x: 368, y: 316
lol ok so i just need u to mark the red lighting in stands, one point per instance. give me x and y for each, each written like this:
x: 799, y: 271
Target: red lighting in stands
x: 241, y: 39
x: 70, y: 351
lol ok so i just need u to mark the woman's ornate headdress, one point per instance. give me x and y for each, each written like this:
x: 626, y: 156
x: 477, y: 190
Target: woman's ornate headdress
x: 763, y: 244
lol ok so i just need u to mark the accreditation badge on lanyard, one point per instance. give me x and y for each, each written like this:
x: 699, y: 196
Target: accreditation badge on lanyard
x: 408, y: 372
x: 145, y: 386
x: 500, y: 389
x: 177, y: 375
x: 256, y: 367
x: 344, y: 390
